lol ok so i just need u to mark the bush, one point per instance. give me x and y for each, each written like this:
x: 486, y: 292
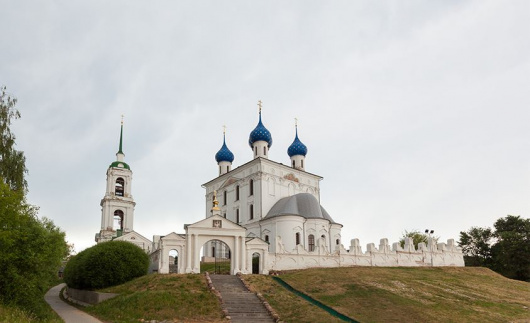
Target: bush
x: 106, y: 264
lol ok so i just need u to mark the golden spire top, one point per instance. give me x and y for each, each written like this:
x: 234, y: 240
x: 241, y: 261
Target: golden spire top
x: 224, y: 129
x: 215, y: 202
x: 259, y: 105
x: 296, y: 122
x: 122, y: 119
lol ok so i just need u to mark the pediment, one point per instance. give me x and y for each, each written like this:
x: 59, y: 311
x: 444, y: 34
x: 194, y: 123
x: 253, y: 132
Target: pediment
x: 256, y: 242
x: 228, y: 182
x: 173, y: 236
x: 133, y: 236
x: 215, y: 222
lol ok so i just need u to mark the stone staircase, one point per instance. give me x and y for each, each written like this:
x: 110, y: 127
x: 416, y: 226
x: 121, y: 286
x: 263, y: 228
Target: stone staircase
x: 242, y: 305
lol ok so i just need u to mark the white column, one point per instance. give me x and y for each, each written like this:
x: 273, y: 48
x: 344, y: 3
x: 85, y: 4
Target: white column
x: 243, y: 255
x: 188, y: 254
x: 236, y: 255
x: 196, y: 255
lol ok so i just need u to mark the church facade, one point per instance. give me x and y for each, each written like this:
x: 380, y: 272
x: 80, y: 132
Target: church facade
x: 260, y: 216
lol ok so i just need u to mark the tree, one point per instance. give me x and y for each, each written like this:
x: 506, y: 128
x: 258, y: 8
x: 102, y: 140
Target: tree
x: 417, y: 238
x: 12, y: 161
x: 31, y: 249
x: 476, y: 246
x: 511, y: 253
x: 106, y: 264
x: 506, y: 249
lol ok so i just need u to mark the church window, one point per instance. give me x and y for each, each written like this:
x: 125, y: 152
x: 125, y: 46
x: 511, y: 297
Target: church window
x: 251, y: 187
x: 302, y: 163
x: 120, y: 185
x: 237, y: 193
x: 265, y: 151
x: 293, y: 163
x: 266, y: 238
x: 227, y: 169
x: 251, y: 211
x: 224, y: 215
x: 337, y: 242
x: 237, y: 215
x: 311, y: 242
x: 297, y: 237
x: 255, y: 151
x: 224, y: 198
x: 219, y: 169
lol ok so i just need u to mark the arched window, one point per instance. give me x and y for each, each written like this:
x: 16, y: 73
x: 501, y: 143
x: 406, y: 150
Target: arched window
x: 265, y: 151
x: 293, y: 163
x: 337, y: 242
x: 227, y: 168
x: 120, y: 186
x: 297, y: 237
x: 302, y: 163
x: 266, y: 238
x: 311, y: 242
x: 224, y: 198
x: 118, y: 220
x: 237, y: 192
x: 251, y: 211
x: 255, y: 151
x: 251, y: 187
x: 237, y: 215
x: 224, y: 215
x: 219, y: 169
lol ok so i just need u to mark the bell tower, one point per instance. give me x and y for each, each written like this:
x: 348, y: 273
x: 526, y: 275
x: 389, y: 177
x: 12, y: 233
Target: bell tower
x: 117, y: 206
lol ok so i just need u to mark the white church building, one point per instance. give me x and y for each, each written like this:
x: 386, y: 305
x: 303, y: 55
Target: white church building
x: 262, y: 213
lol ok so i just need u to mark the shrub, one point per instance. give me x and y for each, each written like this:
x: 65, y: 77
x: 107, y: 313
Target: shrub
x: 106, y: 264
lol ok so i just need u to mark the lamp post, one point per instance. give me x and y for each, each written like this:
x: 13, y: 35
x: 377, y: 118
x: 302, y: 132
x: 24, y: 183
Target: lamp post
x: 430, y: 243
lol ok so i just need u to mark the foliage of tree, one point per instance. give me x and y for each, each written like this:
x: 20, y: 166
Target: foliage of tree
x: 506, y: 249
x: 476, y: 246
x: 417, y: 238
x: 31, y: 249
x: 106, y: 264
x: 12, y: 161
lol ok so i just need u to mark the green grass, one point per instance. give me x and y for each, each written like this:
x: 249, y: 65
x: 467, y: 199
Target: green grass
x: 448, y: 294
x: 13, y: 314
x: 290, y: 307
x: 221, y: 267
x: 160, y: 297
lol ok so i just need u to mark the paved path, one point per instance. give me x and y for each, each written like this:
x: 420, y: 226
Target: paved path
x: 67, y: 312
x: 242, y: 305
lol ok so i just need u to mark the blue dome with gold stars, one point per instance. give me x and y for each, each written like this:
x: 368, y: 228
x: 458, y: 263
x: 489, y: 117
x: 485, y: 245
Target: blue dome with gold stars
x: 260, y: 133
x: 224, y: 154
x: 297, y: 147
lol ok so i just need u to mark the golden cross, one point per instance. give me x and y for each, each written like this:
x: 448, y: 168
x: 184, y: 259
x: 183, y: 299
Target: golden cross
x: 259, y: 105
x: 296, y: 122
x: 122, y: 119
x: 224, y: 129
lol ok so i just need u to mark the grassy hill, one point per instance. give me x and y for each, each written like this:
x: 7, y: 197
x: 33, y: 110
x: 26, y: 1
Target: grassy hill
x: 366, y: 294
x: 376, y: 294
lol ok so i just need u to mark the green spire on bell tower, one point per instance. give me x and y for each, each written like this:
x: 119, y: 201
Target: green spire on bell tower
x: 120, y: 151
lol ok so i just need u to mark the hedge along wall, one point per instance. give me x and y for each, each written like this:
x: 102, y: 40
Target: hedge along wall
x: 106, y: 264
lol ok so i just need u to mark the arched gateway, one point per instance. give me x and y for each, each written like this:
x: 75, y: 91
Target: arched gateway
x: 197, y: 234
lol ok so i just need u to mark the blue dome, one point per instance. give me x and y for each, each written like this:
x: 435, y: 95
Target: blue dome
x: 224, y: 154
x: 260, y: 133
x: 297, y: 147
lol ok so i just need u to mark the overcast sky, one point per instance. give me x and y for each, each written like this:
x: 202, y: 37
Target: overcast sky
x: 416, y: 113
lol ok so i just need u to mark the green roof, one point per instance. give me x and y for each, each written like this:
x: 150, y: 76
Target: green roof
x: 118, y: 163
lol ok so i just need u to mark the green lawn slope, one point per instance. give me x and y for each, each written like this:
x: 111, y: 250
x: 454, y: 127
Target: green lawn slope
x: 377, y: 294
x: 184, y: 298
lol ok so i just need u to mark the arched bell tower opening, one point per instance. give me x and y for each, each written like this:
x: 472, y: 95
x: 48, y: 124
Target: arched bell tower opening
x: 118, y: 221
x: 119, y: 188
x: 173, y: 261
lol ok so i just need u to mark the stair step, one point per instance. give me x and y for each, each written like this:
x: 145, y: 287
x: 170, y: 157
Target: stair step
x: 241, y: 304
